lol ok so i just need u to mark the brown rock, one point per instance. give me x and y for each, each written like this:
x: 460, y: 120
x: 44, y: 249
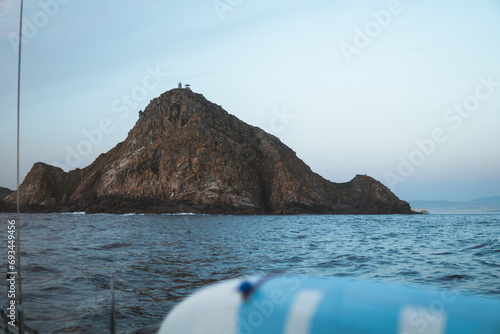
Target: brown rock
x: 186, y: 154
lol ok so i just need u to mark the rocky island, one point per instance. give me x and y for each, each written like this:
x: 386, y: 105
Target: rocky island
x: 187, y: 154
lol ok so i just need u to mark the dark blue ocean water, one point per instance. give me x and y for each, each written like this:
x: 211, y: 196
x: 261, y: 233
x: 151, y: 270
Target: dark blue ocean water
x: 158, y: 260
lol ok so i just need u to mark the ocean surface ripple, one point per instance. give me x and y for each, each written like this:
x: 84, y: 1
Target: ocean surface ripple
x: 157, y: 260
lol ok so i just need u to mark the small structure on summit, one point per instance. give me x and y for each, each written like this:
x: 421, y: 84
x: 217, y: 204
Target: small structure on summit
x: 179, y: 86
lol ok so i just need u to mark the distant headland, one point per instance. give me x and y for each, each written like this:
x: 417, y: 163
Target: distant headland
x: 4, y: 192
x: 187, y: 154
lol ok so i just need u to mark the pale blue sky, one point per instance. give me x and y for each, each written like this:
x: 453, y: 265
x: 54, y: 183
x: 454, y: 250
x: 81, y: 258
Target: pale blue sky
x: 351, y: 86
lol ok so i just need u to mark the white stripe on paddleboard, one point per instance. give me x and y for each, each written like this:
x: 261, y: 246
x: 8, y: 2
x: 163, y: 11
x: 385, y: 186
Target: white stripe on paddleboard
x: 418, y: 320
x: 302, y: 311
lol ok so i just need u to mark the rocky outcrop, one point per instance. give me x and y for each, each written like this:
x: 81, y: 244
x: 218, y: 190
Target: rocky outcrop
x: 186, y: 154
x: 4, y: 192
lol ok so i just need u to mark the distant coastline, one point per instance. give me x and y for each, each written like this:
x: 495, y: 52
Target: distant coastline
x: 4, y: 192
x: 480, y: 205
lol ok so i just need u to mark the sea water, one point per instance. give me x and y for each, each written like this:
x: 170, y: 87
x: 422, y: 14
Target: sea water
x: 157, y: 260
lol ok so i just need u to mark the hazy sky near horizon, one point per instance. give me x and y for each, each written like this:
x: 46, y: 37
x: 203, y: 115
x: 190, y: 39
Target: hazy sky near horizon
x: 407, y: 91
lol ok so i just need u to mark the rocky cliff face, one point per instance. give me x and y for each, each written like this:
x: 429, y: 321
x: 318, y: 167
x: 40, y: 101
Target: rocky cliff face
x: 186, y: 154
